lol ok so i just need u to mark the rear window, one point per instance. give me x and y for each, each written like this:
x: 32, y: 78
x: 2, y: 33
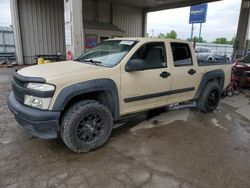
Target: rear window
x: 181, y: 54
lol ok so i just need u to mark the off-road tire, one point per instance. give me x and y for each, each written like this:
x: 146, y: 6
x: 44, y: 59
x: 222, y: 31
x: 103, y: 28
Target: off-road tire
x: 205, y: 103
x: 72, y: 120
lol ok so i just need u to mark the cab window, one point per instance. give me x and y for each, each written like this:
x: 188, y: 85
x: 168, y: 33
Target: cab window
x: 153, y: 54
x: 181, y: 54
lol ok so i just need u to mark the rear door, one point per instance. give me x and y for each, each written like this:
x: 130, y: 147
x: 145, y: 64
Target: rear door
x: 184, y: 72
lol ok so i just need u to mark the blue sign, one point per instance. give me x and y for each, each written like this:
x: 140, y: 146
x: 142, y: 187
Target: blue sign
x: 198, y: 13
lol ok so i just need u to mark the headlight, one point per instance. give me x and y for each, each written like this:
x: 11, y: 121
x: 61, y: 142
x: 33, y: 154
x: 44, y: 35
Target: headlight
x: 40, y: 87
x: 37, y: 102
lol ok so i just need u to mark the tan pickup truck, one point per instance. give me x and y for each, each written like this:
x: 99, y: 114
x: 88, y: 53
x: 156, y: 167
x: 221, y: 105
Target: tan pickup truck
x: 78, y: 100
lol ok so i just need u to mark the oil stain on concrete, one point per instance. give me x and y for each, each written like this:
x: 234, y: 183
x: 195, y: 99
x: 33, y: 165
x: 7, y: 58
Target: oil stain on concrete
x: 160, y: 148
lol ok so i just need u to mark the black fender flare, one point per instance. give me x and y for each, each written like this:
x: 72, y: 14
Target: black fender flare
x: 208, y: 77
x: 98, y: 85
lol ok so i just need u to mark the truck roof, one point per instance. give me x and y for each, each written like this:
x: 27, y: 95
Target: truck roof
x: 148, y: 39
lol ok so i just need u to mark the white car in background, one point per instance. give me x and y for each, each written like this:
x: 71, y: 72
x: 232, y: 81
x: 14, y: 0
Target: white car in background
x: 204, y: 54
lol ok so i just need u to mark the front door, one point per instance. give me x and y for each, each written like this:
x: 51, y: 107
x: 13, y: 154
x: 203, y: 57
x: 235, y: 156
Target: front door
x: 147, y: 88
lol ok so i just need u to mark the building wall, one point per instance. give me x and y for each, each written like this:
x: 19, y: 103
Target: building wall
x: 97, y: 11
x: 6, y: 40
x: 42, y: 27
x: 127, y: 18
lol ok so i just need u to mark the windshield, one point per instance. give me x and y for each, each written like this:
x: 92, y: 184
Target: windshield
x: 246, y: 59
x: 108, y: 53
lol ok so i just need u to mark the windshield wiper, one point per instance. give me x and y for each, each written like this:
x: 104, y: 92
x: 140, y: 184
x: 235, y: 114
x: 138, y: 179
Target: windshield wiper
x: 92, y: 61
x: 78, y: 59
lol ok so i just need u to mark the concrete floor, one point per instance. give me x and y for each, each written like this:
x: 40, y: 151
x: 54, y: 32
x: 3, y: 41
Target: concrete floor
x: 181, y: 148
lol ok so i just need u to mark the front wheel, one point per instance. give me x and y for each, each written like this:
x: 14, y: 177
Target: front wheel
x: 86, y: 125
x: 210, y: 98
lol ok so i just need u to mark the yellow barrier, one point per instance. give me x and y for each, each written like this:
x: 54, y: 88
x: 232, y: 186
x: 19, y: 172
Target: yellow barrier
x: 47, y: 61
x: 40, y: 61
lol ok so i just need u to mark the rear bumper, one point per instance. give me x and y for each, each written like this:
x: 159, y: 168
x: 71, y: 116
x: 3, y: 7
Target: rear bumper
x: 42, y: 124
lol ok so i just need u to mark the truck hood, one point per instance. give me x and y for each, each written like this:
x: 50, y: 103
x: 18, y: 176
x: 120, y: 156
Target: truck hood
x: 58, y: 70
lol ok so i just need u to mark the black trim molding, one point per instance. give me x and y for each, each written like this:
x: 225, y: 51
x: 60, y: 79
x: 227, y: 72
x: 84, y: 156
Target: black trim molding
x: 28, y: 79
x: 215, y: 74
x: 98, y: 85
x: 149, y: 96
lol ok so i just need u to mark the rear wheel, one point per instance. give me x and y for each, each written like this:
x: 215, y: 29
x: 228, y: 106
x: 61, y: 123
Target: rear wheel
x: 210, y: 97
x: 86, y: 125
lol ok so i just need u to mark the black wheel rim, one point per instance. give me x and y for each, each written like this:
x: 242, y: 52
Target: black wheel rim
x: 213, y: 98
x: 90, y: 128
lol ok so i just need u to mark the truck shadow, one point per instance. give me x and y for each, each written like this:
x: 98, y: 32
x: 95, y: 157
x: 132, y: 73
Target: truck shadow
x: 122, y: 126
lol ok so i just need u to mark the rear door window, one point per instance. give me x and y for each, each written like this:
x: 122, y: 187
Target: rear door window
x: 181, y: 54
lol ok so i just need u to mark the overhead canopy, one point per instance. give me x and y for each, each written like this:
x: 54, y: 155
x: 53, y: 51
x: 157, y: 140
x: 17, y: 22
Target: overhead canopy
x: 155, y: 5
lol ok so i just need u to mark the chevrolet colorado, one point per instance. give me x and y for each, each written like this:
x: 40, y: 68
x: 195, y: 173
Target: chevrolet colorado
x: 78, y: 100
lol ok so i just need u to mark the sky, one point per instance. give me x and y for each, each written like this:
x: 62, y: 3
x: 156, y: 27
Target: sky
x: 5, y: 18
x: 222, y: 21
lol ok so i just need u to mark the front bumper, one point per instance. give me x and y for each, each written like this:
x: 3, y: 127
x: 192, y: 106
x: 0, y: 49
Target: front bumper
x: 42, y: 124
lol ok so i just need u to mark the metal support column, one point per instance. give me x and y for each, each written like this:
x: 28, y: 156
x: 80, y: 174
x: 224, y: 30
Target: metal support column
x: 17, y: 31
x: 200, y: 30
x: 192, y: 31
x: 74, y: 7
x: 144, y: 27
x: 243, y: 30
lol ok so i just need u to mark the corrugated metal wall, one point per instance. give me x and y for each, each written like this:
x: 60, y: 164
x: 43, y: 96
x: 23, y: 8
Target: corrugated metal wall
x: 98, y: 11
x: 88, y: 10
x: 42, y: 27
x: 129, y: 19
x: 104, y: 12
x: 6, y: 40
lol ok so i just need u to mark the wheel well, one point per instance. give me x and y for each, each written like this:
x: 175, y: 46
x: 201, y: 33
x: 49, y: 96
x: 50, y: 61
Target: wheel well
x: 103, y: 97
x: 217, y: 80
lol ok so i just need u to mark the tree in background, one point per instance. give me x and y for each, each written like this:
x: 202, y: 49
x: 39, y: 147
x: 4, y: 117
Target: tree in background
x: 223, y: 40
x: 171, y: 35
x: 161, y: 36
x: 200, y: 40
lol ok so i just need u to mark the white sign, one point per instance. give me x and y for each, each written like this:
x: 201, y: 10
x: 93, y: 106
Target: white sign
x: 67, y: 16
x: 127, y: 42
x: 68, y: 34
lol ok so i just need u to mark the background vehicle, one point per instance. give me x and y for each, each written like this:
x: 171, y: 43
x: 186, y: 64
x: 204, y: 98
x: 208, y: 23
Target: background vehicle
x: 80, y: 99
x: 204, y: 54
x: 243, y: 67
x: 221, y: 57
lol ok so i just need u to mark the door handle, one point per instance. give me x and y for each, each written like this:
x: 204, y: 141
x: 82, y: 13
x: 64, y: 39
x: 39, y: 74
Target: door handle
x: 191, y: 71
x: 165, y: 74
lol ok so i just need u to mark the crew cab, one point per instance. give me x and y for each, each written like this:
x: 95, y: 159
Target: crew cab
x: 79, y: 100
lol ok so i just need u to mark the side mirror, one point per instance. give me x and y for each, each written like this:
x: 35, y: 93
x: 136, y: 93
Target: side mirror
x: 135, y: 65
x: 196, y: 51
